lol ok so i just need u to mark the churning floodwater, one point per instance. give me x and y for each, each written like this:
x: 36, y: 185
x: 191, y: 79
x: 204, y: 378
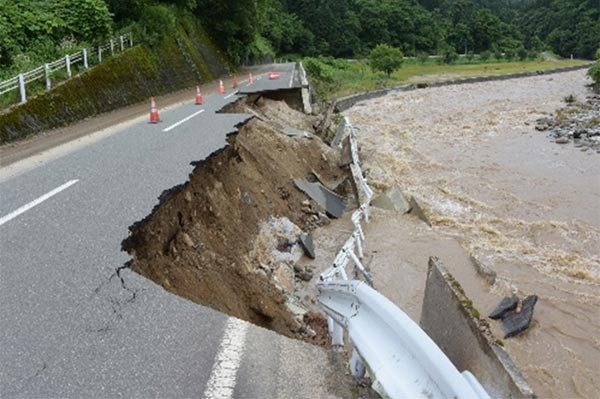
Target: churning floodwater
x: 523, y: 205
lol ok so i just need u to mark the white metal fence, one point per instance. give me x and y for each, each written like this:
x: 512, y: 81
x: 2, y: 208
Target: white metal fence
x: 84, y: 58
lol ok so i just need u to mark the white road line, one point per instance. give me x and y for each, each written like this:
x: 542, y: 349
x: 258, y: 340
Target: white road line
x: 223, y: 377
x: 292, y: 77
x: 187, y: 118
x: 230, y: 95
x: 36, y: 202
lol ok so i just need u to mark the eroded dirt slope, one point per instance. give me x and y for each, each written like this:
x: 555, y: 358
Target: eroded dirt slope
x: 211, y: 239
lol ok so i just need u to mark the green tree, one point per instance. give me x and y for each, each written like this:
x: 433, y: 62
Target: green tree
x: 386, y: 58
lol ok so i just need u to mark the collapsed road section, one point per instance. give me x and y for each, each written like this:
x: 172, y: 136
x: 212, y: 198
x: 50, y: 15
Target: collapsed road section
x: 229, y: 238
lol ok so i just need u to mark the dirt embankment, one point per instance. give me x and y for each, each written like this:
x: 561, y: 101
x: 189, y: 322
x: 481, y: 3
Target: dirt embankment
x: 229, y: 237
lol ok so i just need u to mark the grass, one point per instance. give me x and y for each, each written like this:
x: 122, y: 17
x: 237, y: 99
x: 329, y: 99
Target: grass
x: 348, y: 77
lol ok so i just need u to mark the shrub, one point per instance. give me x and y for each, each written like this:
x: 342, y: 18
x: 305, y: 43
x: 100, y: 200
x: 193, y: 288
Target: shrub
x: 449, y: 55
x: 319, y: 70
x: 386, y: 58
x: 498, y: 54
x: 422, y: 57
x: 485, y: 55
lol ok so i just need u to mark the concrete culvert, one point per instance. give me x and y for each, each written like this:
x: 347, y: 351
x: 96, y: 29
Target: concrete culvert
x: 230, y: 236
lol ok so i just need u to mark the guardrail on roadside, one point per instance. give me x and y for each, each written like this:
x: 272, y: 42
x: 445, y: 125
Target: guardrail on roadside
x: 401, y: 358
x: 303, y: 77
x: 84, y: 57
x: 403, y: 361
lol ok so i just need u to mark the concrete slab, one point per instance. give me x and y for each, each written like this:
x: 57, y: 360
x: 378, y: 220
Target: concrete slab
x: 418, y: 211
x: 333, y: 204
x: 392, y: 200
x: 454, y: 324
x: 346, y: 156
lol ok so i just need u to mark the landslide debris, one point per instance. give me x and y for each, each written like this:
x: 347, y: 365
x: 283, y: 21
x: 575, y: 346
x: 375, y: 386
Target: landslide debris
x: 229, y: 238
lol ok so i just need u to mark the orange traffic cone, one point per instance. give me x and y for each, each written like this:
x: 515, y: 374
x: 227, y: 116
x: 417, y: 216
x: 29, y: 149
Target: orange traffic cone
x: 234, y: 82
x: 154, y: 118
x: 250, y: 79
x: 199, y: 99
x: 221, y: 87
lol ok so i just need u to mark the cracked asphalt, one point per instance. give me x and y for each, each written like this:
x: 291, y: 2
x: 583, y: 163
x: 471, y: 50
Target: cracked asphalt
x: 75, y: 321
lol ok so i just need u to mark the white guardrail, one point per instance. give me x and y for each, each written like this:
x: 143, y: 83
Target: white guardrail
x: 401, y: 359
x: 44, y: 71
x: 303, y: 77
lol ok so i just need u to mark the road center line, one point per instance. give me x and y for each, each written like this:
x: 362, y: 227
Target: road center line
x: 187, y: 118
x: 224, y: 373
x: 230, y: 95
x: 36, y: 202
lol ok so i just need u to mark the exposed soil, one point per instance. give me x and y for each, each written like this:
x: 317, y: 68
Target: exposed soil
x: 228, y: 238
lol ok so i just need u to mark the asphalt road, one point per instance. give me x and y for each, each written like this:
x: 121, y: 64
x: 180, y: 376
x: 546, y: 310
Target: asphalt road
x: 70, y: 325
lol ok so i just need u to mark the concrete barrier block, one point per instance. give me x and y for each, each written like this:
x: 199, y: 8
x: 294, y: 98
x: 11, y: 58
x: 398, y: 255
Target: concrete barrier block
x: 449, y: 318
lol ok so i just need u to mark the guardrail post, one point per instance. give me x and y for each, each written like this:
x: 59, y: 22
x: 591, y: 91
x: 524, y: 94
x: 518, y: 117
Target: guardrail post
x: 47, y: 71
x: 85, y: 60
x: 336, y: 332
x: 99, y: 55
x: 357, y: 368
x: 130, y: 40
x: 22, y: 88
x: 121, y: 41
x: 112, y: 47
x: 68, y: 64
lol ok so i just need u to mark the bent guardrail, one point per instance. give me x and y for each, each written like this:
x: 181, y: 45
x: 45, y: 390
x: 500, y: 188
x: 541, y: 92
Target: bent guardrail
x: 400, y: 357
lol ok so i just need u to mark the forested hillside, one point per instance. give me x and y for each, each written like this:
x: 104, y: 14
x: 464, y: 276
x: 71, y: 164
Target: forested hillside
x: 33, y: 31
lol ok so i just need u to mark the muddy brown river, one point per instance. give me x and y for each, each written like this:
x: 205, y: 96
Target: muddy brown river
x: 523, y: 205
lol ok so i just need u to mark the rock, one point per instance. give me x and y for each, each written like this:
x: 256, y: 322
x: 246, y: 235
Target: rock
x: 298, y: 268
x: 417, y: 211
x: 484, y: 271
x: 392, y: 200
x: 306, y: 241
x: 562, y: 140
x: 187, y: 240
x: 187, y: 196
x: 305, y: 276
x: 246, y: 198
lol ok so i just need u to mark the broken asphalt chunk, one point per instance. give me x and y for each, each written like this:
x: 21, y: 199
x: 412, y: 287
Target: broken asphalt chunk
x: 506, y: 305
x: 333, y: 204
x: 306, y: 241
x: 515, y: 323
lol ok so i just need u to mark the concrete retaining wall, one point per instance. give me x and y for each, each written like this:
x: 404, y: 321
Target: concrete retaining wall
x: 450, y: 319
x: 345, y: 103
